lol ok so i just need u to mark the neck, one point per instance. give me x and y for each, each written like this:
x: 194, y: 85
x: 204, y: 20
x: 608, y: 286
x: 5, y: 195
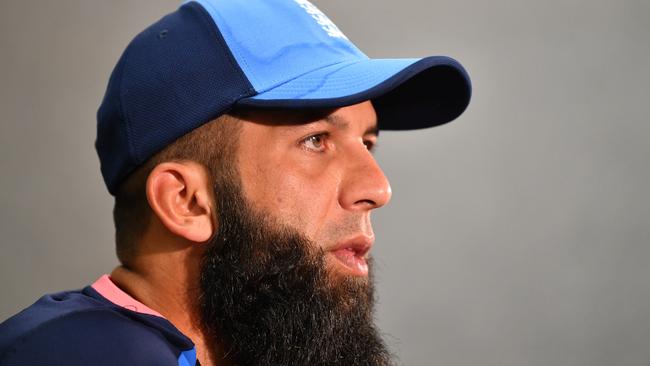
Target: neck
x: 168, y: 282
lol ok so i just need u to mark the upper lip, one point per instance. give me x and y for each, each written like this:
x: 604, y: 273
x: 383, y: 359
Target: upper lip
x: 360, y: 244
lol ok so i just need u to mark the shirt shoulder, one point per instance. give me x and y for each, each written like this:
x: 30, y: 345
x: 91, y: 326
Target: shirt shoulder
x: 82, y: 328
x: 90, y: 337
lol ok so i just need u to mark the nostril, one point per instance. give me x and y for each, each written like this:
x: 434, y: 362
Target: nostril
x: 367, y: 202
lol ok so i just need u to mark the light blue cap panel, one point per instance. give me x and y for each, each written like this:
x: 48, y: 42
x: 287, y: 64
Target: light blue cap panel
x: 339, y: 80
x: 289, y: 38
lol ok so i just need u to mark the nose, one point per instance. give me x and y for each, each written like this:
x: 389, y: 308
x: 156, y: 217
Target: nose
x: 364, y: 187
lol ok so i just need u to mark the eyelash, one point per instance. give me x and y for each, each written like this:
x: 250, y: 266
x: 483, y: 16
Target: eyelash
x: 371, y: 146
x: 324, y: 136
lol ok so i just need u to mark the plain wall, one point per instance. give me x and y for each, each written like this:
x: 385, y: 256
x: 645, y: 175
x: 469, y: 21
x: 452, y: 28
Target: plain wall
x: 517, y: 235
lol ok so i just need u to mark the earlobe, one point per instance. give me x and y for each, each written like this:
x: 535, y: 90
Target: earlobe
x: 179, y: 195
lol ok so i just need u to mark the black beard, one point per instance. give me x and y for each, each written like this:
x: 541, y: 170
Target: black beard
x: 268, y: 299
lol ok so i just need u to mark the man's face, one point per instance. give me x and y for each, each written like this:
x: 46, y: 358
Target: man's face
x: 316, y: 174
x: 285, y: 280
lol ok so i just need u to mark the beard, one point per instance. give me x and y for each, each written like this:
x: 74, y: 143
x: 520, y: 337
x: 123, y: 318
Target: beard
x: 268, y: 298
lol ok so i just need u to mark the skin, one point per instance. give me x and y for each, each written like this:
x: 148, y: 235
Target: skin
x: 314, y: 173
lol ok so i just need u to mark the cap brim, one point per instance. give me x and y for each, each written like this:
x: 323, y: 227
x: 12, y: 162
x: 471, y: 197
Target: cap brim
x: 406, y: 93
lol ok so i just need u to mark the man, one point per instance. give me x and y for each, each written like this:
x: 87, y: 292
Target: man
x: 237, y: 138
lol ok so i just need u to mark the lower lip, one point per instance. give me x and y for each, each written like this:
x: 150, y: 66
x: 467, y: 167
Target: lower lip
x: 354, y: 264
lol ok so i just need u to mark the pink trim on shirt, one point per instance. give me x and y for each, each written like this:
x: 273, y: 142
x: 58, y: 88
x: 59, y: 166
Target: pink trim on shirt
x: 114, y: 294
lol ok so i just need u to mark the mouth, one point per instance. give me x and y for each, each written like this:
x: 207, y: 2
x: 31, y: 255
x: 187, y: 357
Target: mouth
x: 352, y: 255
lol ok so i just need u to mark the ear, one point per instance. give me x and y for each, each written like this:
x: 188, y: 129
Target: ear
x: 180, y: 194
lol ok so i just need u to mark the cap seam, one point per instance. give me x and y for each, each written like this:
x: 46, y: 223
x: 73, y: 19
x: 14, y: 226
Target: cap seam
x: 231, y: 57
x: 216, y: 33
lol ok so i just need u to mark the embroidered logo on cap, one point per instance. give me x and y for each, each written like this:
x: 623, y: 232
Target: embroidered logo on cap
x: 328, y: 26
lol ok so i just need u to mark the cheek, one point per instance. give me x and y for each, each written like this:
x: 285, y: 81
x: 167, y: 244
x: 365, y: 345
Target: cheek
x: 299, y: 194
x: 305, y: 202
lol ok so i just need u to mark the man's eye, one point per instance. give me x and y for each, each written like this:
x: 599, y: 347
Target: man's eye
x: 315, y: 142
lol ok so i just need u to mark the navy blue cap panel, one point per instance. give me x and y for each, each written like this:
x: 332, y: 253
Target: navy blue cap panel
x: 407, y: 94
x: 173, y: 77
x: 112, y: 143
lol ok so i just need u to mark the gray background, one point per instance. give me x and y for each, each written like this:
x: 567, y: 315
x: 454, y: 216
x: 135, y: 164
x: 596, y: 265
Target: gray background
x: 517, y: 235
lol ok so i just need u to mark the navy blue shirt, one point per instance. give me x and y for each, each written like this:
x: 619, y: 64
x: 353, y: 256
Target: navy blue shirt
x: 83, y: 327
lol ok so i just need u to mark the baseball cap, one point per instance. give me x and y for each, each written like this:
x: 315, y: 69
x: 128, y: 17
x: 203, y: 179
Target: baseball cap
x: 210, y: 56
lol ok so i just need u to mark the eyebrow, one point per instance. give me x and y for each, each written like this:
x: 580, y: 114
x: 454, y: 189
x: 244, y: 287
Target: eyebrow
x: 342, y: 124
